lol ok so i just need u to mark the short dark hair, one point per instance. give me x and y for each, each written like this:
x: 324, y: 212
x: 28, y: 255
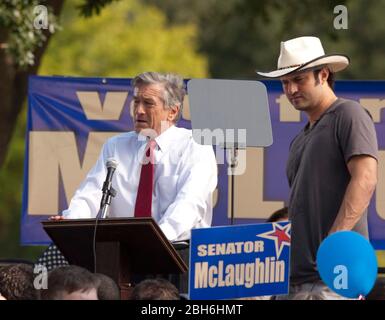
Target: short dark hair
x: 330, y: 80
x: 107, y: 288
x: 278, y: 215
x: 16, y: 282
x: 68, y: 279
x: 155, y: 289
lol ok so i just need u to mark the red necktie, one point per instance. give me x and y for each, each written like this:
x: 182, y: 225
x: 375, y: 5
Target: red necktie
x: 144, y: 197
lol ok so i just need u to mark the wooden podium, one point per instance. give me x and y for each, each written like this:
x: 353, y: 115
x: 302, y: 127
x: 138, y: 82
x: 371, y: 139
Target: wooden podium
x: 124, y: 247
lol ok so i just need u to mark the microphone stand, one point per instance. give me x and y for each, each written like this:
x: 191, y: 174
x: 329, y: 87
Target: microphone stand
x: 108, y: 194
x: 233, y: 165
x: 233, y: 150
x: 102, y: 214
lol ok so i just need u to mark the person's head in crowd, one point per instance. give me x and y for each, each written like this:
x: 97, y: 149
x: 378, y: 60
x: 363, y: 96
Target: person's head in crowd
x: 279, y: 215
x: 16, y: 282
x: 107, y: 288
x: 155, y: 289
x: 71, y: 283
x: 378, y: 291
x: 308, y: 296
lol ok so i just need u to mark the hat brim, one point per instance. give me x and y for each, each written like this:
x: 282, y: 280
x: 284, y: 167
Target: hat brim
x: 335, y: 62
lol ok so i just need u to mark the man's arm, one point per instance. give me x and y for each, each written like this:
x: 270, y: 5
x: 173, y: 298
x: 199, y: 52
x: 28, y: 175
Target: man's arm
x: 193, y: 202
x: 363, y: 171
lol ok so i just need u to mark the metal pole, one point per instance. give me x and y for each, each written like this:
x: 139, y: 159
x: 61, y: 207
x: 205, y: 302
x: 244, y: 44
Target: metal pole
x: 233, y: 164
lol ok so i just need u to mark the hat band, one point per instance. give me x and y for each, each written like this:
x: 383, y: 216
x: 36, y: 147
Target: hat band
x: 292, y: 66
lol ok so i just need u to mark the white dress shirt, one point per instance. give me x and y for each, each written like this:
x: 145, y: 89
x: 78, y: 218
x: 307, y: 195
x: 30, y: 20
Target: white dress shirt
x: 184, y: 181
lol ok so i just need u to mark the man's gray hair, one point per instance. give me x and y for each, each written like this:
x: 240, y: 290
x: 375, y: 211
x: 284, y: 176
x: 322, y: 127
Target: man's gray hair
x: 174, y: 88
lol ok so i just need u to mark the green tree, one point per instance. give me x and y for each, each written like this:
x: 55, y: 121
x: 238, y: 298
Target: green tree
x: 11, y: 181
x: 23, y: 41
x: 22, y: 46
x: 239, y: 36
x: 125, y: 39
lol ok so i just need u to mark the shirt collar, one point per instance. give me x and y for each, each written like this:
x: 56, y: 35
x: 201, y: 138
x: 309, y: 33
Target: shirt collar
x: 163, y: 141
x: 332, y: 107
x: 165, y: 138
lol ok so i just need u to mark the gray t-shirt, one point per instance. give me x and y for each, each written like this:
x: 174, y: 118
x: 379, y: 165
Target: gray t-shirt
x: 318, y: 176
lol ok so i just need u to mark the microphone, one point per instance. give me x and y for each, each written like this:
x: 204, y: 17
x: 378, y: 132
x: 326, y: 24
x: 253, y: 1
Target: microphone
x: 108, y: 190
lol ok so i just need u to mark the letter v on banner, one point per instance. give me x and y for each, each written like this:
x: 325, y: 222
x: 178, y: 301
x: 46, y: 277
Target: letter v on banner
x: 93, y: 108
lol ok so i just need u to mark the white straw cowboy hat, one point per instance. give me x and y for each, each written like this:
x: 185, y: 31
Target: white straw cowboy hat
x: 303, y: 53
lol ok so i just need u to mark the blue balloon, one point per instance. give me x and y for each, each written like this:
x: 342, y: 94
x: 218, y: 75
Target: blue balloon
x: 347, y: 263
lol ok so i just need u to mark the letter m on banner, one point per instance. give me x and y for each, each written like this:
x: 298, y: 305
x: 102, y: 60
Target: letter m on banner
x: 69, y: 119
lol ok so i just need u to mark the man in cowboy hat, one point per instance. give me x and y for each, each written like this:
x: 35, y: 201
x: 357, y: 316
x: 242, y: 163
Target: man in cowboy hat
x: 332, y: 163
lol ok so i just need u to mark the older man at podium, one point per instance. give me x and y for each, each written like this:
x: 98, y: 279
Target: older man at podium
x: 161, y: 171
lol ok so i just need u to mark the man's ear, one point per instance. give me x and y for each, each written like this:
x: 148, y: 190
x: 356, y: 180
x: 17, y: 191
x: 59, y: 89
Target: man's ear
x: 324, y: 75
x: 173, y: 113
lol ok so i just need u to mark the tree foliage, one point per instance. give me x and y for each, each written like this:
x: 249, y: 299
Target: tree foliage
x: 239, y: 36
x: 125, y: 39
x: 93, y: 7
x: 20, y: 37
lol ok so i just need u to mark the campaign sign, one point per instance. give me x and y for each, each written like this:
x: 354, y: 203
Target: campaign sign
x: 239, y: 261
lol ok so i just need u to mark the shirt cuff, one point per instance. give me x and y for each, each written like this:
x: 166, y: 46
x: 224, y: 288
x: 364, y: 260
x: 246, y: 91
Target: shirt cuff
x: 168, y: 231
x: 67, y: 214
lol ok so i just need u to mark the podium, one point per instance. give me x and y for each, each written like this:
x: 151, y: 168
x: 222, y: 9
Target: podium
x: 124, y: 247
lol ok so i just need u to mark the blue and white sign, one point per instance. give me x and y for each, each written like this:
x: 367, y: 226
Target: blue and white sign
x: 239, y: 261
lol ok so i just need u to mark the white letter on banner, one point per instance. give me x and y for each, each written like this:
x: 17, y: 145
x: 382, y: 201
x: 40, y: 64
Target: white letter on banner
x: 251, y: 205
x: 213, y: 274
x: 374, y: 106
x: 201, y: 276
x: 52, y: 153
x: 93, y: 108
x: 287, y: 113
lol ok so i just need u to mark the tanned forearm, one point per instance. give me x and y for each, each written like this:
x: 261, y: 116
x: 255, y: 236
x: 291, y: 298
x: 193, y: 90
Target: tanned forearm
x: 363, y: 170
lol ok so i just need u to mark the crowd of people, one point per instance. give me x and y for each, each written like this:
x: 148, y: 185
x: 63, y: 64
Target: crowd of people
x: 70, y: 282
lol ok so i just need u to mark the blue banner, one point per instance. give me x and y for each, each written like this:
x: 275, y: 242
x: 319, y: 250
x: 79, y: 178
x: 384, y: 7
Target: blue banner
x: 70, y: 118
x: 239, y: 261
